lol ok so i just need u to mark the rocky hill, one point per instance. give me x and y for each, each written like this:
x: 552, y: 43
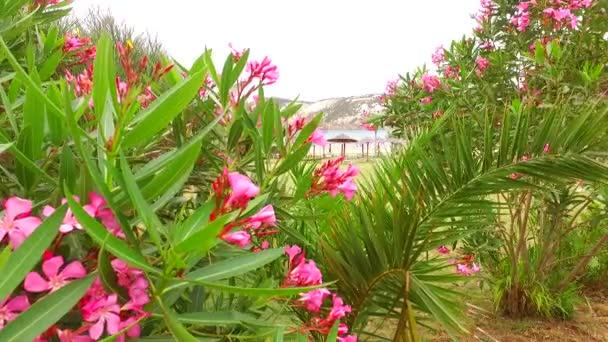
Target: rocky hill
x: 341, y: 112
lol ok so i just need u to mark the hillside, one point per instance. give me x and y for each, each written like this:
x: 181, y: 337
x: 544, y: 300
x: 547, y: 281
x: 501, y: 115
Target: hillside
x: 341, y: 112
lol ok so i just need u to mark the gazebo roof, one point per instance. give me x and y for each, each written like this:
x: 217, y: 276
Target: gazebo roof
x: 342, y: 138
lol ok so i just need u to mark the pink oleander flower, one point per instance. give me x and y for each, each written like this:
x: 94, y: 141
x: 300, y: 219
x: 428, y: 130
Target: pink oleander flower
x: 338, y: 310
x: 305, y: 274
x: 133, y: 332
x: 265, y: 217
x: 348, y: 189
x: 138, y: 295
x: 482, y: 64
x: 426, y: 100
x: 521, y: 19
x: 317, y: 138
x: 73, y: 43
x: 236, y: 54
x: 463, y: 269
x: 578, y: 4
x: 452, y: 72
x: 562, y: 16
x: 71, y: 336
x: 264, y: 71
x: 391, y: 88
x: 487, y: 9
x: 475, y: 268
x: 239, y: 238
x: 17, y: 223
x: 546, y: 148
x: 349, y: 338
x: 265, y: 244
x: 69, y: 221
x: 292, y: 252
x: 443, y: 250
x: 55, y: 279
x: 243, y: 189
x: 104, y: 313
x: 313, y: 300
x: 430, y: 83
x: 125, y: 275
x: 146, y: 97
x: 438, y: 56
x: 98, y: 208
x: 10, y: 308
x: 488, y: 46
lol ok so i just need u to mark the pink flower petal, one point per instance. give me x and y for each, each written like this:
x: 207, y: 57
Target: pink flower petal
x: 19, y: 304
x: 16, y: 206
x: 113, y: 324
x: 28, y: 224
x: 97, y: 329
x: 73, y: 270
x: 47, y: 211
x: 35, y: 283
x: 50, y: 268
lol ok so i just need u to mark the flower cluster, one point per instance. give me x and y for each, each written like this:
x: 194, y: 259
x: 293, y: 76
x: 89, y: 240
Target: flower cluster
x: 233, y: 191
x: 79, y: 47
x: 101, y: 311
x: 465, y: 265
x: 304, y: 272
x: 365, y: 124
x: 328, y: 178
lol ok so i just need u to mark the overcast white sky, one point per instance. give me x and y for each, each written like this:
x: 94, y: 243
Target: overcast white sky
x: 323, y: 48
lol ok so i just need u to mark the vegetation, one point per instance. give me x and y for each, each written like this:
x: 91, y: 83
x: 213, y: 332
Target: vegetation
x: 141, y: 201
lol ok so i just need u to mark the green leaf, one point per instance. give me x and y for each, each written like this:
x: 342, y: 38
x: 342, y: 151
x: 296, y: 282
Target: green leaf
x: 24, y: 258
x: 205, y: 238
x: 4, y: 255
x: 106, y: 240
x: 292, y: 159
x: 49, y: 67
x: 268, y: 128
x: 147, y: 215
x: 107, y: 275
x: 178, y: 330
x: 333, y: 333
x: 307, y: 131
x: 33, y: 117
x: 217, y: 318
x: 260, y: 292
x: 195, y: 222
x: 160, y: 112
x: 103, y: 77
x: 232, y: 267
x: 45, y: 312
x: 4, y: 147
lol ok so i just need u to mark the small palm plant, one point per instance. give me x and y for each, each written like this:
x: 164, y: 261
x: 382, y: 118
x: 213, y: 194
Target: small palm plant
x: 443, y: 188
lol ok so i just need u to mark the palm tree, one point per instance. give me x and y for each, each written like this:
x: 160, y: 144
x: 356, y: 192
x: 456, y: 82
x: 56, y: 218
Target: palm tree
x: 440, y: 189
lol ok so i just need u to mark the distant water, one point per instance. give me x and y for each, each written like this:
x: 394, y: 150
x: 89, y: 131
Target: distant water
x: 355, y: 133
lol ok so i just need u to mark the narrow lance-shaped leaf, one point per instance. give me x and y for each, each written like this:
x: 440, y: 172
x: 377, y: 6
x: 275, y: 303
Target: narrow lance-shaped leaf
x: 24, y: 258
x: 162, y: 111
x: 45, y: 312
x: 105, y: 239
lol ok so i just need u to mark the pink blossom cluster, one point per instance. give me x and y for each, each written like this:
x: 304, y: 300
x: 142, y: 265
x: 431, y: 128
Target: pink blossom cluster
x: 79, y: 47
x: 521, y: 18
x: 465, y: 265
x: 233, y: 191
x: 562, y: 16
x: 99, y: 309
x: 264, y: 71
x: 452, y: 72
x: 430, y: 83
x: 389, y: 91
x: 481, y: 64
x: 486, y: 11
x: 328, y: 178
x: 296, y: 124
x: 438, y: 56
x: 304, y: 272
x: 82, y: 84
x: 366, y: 124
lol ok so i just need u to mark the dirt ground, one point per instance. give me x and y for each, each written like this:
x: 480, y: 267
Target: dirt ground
x: 590, y: 323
